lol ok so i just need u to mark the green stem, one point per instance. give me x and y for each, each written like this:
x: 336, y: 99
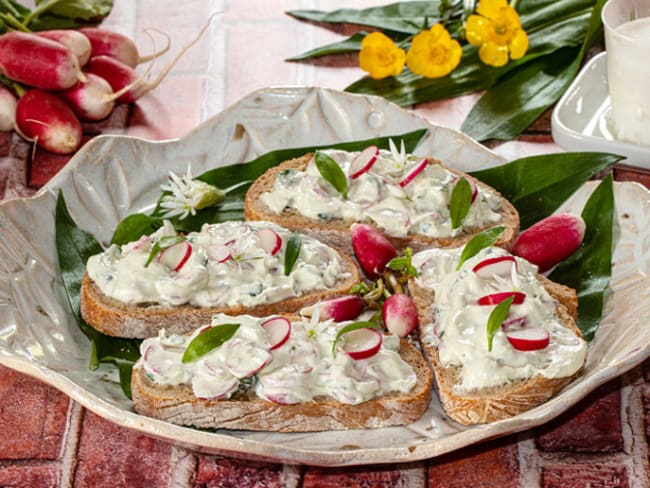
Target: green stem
x: 11, y: 21
x: 40, y: 9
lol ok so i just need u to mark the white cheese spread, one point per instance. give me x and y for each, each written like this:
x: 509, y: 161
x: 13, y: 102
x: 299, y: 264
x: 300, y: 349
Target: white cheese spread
x: 302, y: 369
x: 376, y: 196
x: 227, y: 267
x: 460, y: 323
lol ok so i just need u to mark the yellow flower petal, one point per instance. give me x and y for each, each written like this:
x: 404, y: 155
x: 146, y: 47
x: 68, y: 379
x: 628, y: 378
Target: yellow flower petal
x: 477, y: 30
x: 493, y: 54
x: 519, y: 44
x: 433, y: 53
x: 380, y: 57
x: 490, y: 8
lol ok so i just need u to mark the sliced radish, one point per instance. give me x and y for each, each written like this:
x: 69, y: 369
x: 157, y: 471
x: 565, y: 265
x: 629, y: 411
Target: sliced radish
x: 400, y: 314
x: 472, y: 185
x: 245, y: 359
x: 363, y: 162
x: 499, y: 266
x: 278, y: 330
x: 270, y: 240
x: 496, y: 298
x: 144, y: 240
x: 414, y: 172
x: 175, y: 257
x: 339, y: 309
x: 361, y: 343
x: 219, y: 253
x: 528, y: 338
x: 514, y: 323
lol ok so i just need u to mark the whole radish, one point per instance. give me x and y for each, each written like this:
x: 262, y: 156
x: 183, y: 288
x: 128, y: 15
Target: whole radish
x: 45, y: 118
x: 92, y: 100
x: 119, y: 76
x: 117, y: 46
x: 7, y: 110
x: 39, y: 62
x: 74, y: 40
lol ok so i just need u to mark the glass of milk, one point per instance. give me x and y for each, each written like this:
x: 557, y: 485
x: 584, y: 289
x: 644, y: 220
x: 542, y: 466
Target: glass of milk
x: 627, y: 39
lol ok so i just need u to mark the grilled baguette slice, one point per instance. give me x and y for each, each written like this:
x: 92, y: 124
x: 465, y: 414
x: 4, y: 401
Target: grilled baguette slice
x: 495, y: 403
x: 178, y: 405
x: 337, y: 231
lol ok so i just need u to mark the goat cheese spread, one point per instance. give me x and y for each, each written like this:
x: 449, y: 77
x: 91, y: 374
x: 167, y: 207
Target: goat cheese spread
x: 420, y: 206
x: 459, y: 329
x: 226, y: 265
x: 302, y: 369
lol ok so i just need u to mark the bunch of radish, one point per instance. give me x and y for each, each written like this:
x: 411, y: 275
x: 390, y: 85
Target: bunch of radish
x: 59, y: 77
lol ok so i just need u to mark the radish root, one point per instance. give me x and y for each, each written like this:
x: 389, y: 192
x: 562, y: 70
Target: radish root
x: 155, y: 54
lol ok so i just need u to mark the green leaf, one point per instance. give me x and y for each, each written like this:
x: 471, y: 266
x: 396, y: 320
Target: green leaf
x: 74, y: 247
x: 589, y: 269
x: 133, y: 227
x: 496, y: 318
x: 460, y: 202
x: 94, y: 10
x: 350, y: 328
x: 291, y: 253
x: 538, y: 185
x: 351, y: 44
x: 478, y: 242
x: 404, y: 264
x: 208, y: 340
x: 161, y: 244
x: 332, y: 173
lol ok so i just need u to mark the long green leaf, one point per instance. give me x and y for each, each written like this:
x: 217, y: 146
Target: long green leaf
x: 537, y: 185
x: 351, y: 44
x: 94, y: 10
x: 589, y: 269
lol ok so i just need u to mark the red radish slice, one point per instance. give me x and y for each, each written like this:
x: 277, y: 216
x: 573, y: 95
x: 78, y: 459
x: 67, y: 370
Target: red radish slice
x: 400, y: 314
x: 219, y: 253
x: 499, y: 266
x: 339, y: 309
x: 528, y: 338
x: 363, y: 162
x: 496, y: 298
x: 361, y: 343
x: 278, y: 330
x: 472, y: 185
x: 270, y: 240
x: 514, y: 322
x: 246, y: 360
x: 144, y: 240
x: 414, y: 172
x: 175, y: 257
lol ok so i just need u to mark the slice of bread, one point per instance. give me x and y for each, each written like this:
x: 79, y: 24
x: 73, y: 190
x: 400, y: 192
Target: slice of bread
x: 246, y: 411
x: 337, y: 231
x: 485, y: 405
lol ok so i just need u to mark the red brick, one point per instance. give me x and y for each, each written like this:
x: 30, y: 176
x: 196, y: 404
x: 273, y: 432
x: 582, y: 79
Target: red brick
x: 632, y: 174
x: 584, y: 476
x: 594, y: 425
x: 41, y: 476
x: 32, y: 417
x: 110, y: 455
x: 481, y: 466
x: 225, y: 473
x: 646, y: 370
x: 645, y: 395
x: 5, y: 143
x: 45, y: 165
x: 364, y: 476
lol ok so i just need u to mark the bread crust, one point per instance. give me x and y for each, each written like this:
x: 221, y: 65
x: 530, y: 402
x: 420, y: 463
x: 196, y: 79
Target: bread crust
x: 115, y: 318
x: 496, y: 403
x: 337, y: 231
x: 178, y: 405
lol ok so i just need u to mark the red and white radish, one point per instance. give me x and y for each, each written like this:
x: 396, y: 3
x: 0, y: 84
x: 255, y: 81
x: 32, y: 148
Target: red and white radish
x: 38, y: 62
x: 372, y: 249
x: 363, y: 162
x: 400, y: 314
x: 528, y: 338
x: 498, y: 266
x: 472, y: 185
x: 219, y: 253
x: 361, y: 343
x: 339, y: 309
x: 118, y: 46
x: 91, y: 100
x: 270, y: 240
x: 46, y: 119
x: 550, y: 240
x: 73, y: 39
x: 244, y: 359
x: 175, y: 257
x: 8, y: 103
x: 514, y: 322
x: 278, y: 330
x: 414, y: 172
x: 496, y: 298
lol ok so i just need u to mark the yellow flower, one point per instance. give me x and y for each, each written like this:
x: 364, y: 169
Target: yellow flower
x: 380, y: 57
x: 433, y: 53
x: 498, y: 31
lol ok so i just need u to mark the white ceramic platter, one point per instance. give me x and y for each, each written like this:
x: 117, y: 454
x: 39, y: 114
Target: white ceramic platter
x: 581, y: 119
x: 112, y: 177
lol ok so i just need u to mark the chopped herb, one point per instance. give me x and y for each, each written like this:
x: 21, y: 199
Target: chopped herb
x: 403, y: 264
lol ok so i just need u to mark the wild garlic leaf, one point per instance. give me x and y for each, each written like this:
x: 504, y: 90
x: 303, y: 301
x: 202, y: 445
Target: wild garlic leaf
x: 332, y: 173
x: 496, y: 318
x: 480, y: 241
x: 294, y: 242
x: 208, y: 340
x: 460, y: 202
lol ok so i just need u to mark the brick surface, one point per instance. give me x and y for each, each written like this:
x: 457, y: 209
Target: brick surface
x: 594, y: 425
x: 380, y: 477
x: 37, y: 476
x: 645, y: 395
x: 585, y: 476
x: 113, y: 456
x: 482, y: 466
x: 32, y: 421
x: 230, y: 473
